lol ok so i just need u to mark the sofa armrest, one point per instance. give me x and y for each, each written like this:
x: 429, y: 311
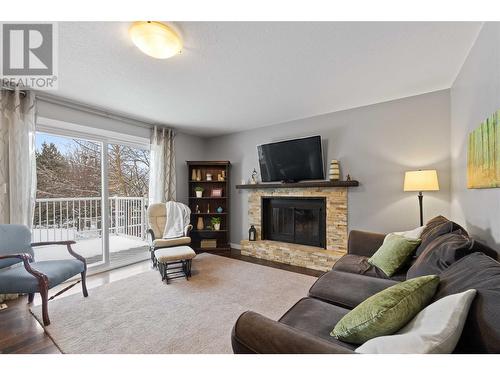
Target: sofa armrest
x: 347, y: 289
x: 364, y: 243
x: 254, y: 333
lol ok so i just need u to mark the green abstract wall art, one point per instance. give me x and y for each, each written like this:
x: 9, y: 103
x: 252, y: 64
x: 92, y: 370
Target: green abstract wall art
x: 483, y: 154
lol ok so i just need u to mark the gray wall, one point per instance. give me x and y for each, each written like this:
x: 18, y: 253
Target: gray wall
x: 187, y: 147
x: 475, y: 95
x: 375, y: 145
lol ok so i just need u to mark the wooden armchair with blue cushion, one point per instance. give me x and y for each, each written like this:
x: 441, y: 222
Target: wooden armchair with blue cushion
x: 34, y: 277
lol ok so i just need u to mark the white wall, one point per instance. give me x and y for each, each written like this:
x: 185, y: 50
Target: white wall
x: 375, y: 145
x: 475, y: 95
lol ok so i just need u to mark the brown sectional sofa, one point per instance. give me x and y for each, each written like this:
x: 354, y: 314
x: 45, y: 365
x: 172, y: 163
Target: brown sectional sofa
x: 446, y: 249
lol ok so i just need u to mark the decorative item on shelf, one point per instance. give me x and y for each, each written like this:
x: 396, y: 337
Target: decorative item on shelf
x: 200, y: 224
x: 220, y: 209
x: 348, y: 178
x: 216, y: 193
x: 198, y: 190
x: 198, y: 175
x: 197, y: 209
x: 252, y: 233
x: 421, y: 181
x: 334, y: 173
x: 208, y: 243
x: 253, y: 179
x: 209, y: 176
x: 223, y: 176
x: 208, y: 208
x: 193, y: 175
x: 215, y: 222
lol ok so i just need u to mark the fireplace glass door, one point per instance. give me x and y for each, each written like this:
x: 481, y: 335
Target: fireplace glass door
x: 296, y: 220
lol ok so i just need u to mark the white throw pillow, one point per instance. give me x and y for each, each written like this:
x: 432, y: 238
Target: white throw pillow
x: 413, y: 234
x: 436, y: 329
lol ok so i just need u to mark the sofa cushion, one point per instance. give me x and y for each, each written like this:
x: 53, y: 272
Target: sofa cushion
x: 387, y: 311
x: 481, y: 332
x: 358, y: 264
x: 347, y: 289
x: 394, y: 253
x: 434, y: 330
x: 439, y: 254
x: 435, y: 228
x: 315, y: 317
x: 18, y: 280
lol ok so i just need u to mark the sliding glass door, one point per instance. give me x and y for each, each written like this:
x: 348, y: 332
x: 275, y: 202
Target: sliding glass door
x: 128, y: 180
x: 69, y: 197
x: 95, y: 193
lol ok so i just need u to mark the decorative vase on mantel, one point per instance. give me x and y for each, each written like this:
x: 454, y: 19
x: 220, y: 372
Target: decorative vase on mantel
x: 334, y: 173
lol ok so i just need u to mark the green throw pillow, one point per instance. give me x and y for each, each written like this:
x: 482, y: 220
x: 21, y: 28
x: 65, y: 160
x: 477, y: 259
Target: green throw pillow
x: 387, y: 311
x: 393, y: 253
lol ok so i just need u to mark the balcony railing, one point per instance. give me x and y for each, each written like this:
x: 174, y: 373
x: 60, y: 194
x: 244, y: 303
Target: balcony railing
x: 81, y: 218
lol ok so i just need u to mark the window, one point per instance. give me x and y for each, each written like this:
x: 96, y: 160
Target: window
x: 93, y: 192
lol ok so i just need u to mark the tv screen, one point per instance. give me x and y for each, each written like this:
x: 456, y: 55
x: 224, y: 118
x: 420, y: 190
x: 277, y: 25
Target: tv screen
x: 293, y: 160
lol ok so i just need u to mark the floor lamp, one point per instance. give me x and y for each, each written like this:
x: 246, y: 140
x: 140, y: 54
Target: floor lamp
x: 421, y: 181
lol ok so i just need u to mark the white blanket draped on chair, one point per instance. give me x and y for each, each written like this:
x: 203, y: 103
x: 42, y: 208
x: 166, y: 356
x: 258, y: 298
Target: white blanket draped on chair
x: 178, y: 218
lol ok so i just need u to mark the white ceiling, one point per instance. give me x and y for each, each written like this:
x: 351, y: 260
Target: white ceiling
x: 233, y: 76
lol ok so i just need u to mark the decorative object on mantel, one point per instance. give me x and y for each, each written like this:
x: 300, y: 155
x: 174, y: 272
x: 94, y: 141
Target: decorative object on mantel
x: 348, y: 178
x: 483, y: 155
x: 421, y: 181
x: 220, y: 209
x: 252, y: 233
x: 200, y: 225
x: 253, y: 178
x: 215, y: 222
x: 198, y: 190
x: 209, y: 177
x: 334, y: 173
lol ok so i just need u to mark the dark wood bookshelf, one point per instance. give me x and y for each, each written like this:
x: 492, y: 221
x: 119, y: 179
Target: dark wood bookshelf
x: 207, y: 201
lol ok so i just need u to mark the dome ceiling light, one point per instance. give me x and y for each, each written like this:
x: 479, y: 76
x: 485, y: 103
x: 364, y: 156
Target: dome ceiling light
x: 155, y: 39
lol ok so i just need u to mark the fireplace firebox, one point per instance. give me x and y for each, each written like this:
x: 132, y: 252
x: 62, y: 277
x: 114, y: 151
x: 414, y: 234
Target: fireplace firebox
x: 299, y: 220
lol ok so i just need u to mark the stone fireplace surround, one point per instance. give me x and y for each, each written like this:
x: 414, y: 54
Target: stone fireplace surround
x: 300, y: 255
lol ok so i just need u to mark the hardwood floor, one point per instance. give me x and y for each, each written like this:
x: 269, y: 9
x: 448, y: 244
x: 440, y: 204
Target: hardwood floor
x: 20, y: 332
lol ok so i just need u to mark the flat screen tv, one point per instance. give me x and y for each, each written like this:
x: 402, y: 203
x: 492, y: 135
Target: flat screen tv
x: 291, y: 161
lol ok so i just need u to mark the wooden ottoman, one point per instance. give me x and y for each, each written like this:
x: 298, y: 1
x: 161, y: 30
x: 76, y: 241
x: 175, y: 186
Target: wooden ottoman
x: 174, y: 262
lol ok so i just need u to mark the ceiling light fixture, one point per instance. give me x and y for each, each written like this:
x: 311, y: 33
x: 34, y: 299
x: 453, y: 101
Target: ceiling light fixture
x: 155, y: 39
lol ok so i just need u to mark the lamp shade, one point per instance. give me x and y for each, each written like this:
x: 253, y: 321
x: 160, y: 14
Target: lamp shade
x: 155, y: 39
x: 421, y: 181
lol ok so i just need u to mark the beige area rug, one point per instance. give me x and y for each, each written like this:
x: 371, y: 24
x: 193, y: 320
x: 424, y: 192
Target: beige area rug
x: 141, y: 314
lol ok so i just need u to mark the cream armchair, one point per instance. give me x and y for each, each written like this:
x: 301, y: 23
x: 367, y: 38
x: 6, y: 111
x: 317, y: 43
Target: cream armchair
x: 157, y: 218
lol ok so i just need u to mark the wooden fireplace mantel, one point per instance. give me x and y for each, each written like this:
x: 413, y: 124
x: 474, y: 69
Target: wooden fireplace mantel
x: 299, y: 185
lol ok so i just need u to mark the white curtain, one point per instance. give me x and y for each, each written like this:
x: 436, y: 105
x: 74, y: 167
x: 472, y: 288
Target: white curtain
x: 17, y: 157
x: 162, y: 170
